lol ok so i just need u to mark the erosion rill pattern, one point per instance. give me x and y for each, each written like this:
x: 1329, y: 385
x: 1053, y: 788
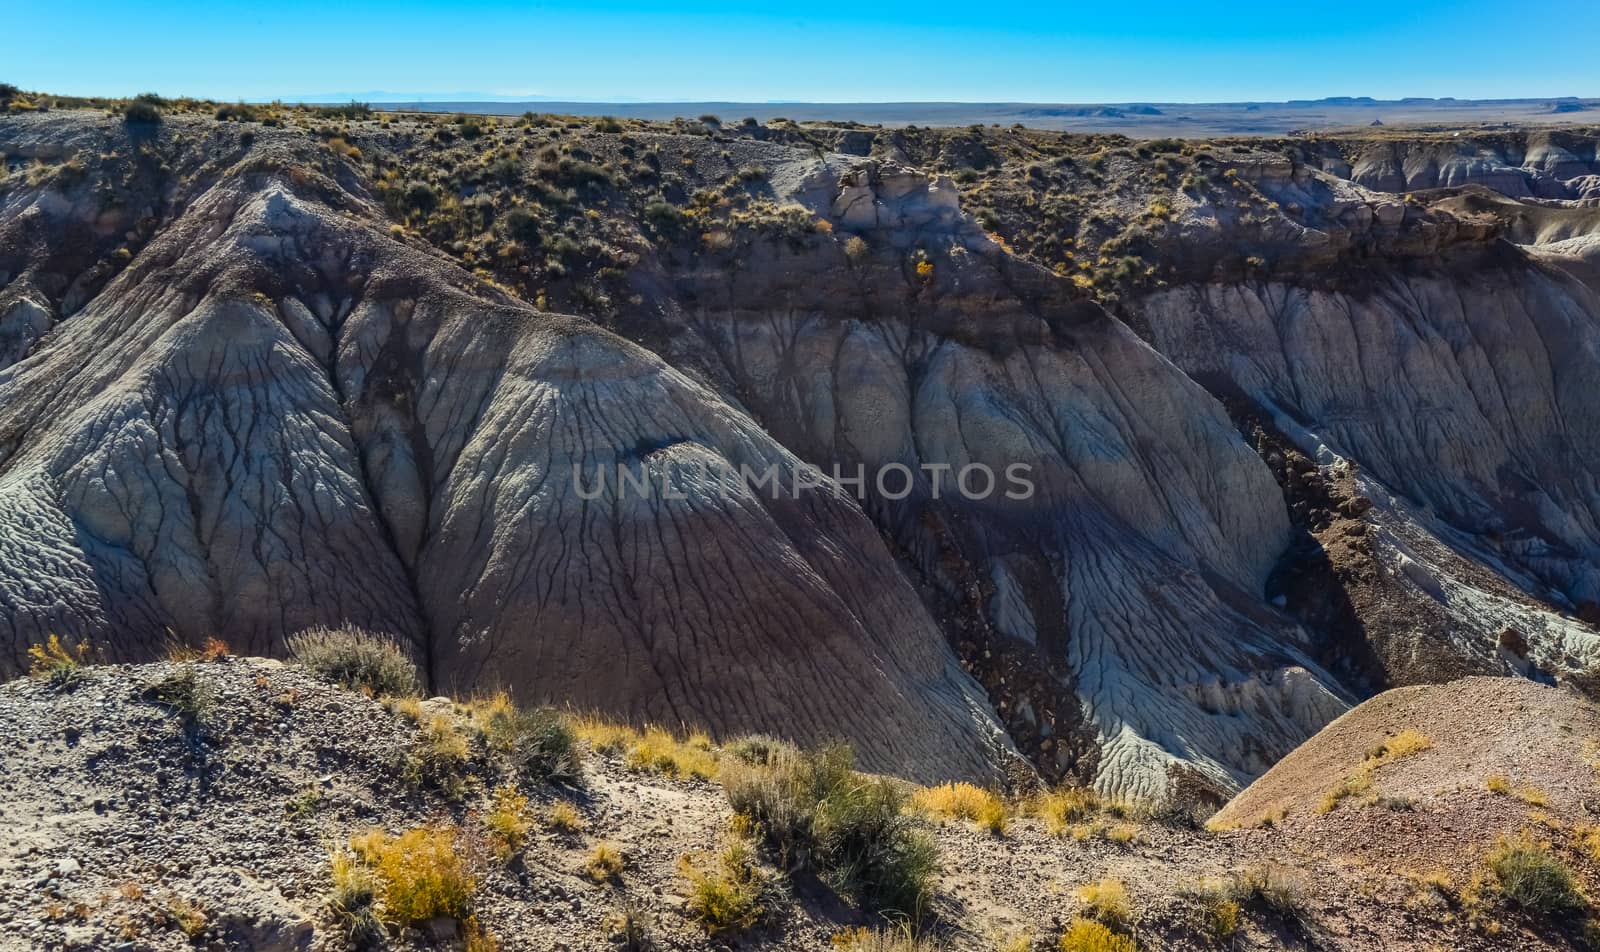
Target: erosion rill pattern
x: 236, y: 401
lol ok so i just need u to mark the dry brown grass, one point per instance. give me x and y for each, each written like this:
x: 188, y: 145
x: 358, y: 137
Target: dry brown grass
x: 964, y: 801
x: 1359, y: 782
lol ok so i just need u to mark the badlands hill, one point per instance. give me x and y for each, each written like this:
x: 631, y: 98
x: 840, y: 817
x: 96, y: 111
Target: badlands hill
x: 1303, y: 419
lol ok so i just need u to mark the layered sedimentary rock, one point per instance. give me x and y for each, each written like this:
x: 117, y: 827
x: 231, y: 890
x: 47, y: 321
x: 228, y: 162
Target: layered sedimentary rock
x: 274, y: 418
x: 254, y: 403
x: 1551, y: 164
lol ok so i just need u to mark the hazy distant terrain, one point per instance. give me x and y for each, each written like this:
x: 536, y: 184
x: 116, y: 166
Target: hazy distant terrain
x: 1133, y: 119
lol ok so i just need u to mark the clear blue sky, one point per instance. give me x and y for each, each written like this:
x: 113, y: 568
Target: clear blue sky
x: 824, y: 50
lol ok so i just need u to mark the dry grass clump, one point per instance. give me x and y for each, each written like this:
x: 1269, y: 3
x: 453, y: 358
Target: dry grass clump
x: 1064, y: 808
x: 650, y: 750
x: 730, y: 891
x: 1106, y: 901
x: 563, y: 818
x: 507, y: 821
x: 1086, y: 935
x: 212, y: 649
x: 1501, y: 784
x: 964, y: 801
x: 358, y: 660
x: 1358, y: 782
x: 56, y: 663
x: 901, y: 938
x: 355, y: 890
x: 815, y: 812
x: 605, y: 864
x: 190, y: 919
x: 417, y: 875
x: 1269, y: 818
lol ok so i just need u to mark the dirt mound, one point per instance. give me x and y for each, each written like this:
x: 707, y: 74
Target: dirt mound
x: 1428, y: 777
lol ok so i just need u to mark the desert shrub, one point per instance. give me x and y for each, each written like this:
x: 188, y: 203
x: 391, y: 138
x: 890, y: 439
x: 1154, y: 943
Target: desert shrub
x: 1531, y: 877
x: 439, y: 757
x: 817, y: 813
x: 665, y: 218
x: 140, y: 112
x: 964, y: 801
x: 507, y: 821
x: 356, y: 659
x: 349, y: 110
x: 56, y: 663
x: 182, y: 693
x: 1216, y: 908
x: 521, y: 225
x: 417, y: 875
x: 758, y: 749
x: 607, y: 124
x: 1085, y: 935
x: 604, y: 864
x: 730, y: 891
x: 538, y: 742
x: 237, y: 112
x: 1106, y: 901
x: 1272, y: 887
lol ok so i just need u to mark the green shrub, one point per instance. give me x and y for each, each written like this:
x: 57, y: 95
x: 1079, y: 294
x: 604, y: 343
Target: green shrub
x: 759, y: 750
x: 730, y: 892
x: 817, y: 813
x: 141, y: 113
x: 1531, y: 877
x: 182, y: 693
x: 350, y: 110
x: 539, y: 742
x: 359, y: 660
x: 237, y: 112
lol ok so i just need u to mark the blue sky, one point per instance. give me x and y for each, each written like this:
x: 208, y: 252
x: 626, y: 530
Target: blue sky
x: 883, y: 50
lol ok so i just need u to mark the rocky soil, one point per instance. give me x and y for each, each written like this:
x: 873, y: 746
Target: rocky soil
x: 130, y: 826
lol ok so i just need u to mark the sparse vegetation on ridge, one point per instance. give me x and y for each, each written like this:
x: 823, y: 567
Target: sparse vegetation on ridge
x: 357, y: 659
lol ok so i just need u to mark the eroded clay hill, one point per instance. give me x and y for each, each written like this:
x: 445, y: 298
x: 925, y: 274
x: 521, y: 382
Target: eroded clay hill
x: 1291, y: 441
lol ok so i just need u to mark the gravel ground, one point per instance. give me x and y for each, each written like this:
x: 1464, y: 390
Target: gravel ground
x: 119, y: 818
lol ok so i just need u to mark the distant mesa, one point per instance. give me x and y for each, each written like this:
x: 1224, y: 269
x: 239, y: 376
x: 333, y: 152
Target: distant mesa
x: 1568, y: 105
x: 1095, y: 112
